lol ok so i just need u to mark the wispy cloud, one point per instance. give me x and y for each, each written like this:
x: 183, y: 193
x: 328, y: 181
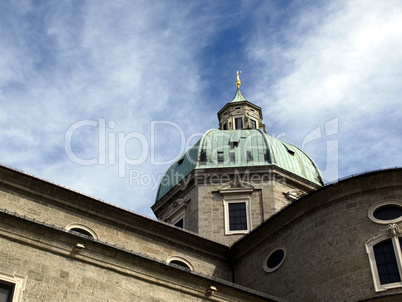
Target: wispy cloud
x: 341, y: 61
x: 128, y: 64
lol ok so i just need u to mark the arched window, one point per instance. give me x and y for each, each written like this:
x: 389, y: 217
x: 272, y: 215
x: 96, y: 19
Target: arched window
x: 385, y: 256
x: 181, y: 262
x: 82, y: 230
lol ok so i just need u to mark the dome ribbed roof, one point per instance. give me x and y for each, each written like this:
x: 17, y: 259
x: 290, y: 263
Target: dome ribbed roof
x: 240, y: 148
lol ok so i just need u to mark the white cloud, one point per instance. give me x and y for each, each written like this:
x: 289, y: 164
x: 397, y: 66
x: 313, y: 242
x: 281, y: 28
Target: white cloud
x: 130, y: 63
x: 137, y: 62
x: 347, y: 65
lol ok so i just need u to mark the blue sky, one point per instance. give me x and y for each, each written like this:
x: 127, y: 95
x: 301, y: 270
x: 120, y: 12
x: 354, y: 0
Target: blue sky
x: 129, y: 85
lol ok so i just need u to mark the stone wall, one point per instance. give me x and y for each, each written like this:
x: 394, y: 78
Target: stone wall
x: 60, y: 207
x: 205, y: 210
x: 56, y: 271
x: 192, y: 211
x: 324, y: 235
x: 266, y: 199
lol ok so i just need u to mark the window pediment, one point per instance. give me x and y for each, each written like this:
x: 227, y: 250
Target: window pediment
x: 236, y: 188
x: 177, y: 206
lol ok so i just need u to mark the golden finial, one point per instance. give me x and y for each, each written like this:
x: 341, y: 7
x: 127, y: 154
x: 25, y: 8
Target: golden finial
x: 238, y: 82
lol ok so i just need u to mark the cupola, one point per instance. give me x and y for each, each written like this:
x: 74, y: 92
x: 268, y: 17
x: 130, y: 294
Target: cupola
x: 239, y: 113
x: 234, y: 177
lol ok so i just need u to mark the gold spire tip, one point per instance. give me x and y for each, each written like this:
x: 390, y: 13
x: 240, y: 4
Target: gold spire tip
x: 238, y: 82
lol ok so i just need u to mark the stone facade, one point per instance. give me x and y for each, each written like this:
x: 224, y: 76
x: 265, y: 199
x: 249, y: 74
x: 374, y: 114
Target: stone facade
x: 325, y: 236
x: 127, y: 262
x: 55, y: 271
x: 204, y: 201
x: 112, y: 225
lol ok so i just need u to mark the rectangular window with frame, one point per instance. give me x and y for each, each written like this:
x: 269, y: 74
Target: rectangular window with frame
x: 387, y: 265
x: 6, y: 291
x: 237, y: 216
x: 238, y: 123
x: 12, y: 287
x: 385, y: 258
x: 253, y: 124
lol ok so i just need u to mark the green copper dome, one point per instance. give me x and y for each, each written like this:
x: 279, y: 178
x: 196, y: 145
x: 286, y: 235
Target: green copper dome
x: 240, y: 148
x: 240, y: 141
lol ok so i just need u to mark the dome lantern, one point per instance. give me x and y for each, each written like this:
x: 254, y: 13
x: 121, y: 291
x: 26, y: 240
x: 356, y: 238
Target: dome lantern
x: 239, y: 113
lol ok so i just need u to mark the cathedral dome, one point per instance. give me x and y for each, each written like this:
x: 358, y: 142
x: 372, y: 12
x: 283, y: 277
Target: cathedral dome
x: 240, y: 148
x: 240, y: 141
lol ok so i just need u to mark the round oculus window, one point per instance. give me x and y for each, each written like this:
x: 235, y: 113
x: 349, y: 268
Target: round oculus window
x: 274, y: 260
x: 386, y: 212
